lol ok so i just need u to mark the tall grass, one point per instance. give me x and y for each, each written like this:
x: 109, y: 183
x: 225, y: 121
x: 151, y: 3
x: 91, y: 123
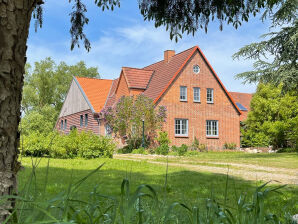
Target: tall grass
x: 142, y: 205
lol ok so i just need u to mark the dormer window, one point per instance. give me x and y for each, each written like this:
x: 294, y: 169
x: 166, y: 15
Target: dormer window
x: 196, y: 69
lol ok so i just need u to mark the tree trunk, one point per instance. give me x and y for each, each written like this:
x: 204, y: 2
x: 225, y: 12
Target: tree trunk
x: 15, y: 18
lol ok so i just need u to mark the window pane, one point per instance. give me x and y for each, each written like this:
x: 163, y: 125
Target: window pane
x: 65, y: 124
x: 86, y: 119
x: 183, y: 92
x: 61, y: 126
x: 196, y: 94
x: 210, y: 95
x: 81, y: 120
x: 177, y: 127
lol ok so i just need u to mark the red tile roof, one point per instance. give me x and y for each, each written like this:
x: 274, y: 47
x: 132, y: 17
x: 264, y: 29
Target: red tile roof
x: 137, y: 78
x: 96, y: 90
x: 242, y: 98
x: 112, y: 96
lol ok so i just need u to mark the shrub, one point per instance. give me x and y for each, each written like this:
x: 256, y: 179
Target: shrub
x: 180, y: 150
x: 195, y: 145
x: 163, y: 138
x: 162, y: 150
x: 139, y: 151
x: 202, y: 148
x: 83, y: 144
x: 231, y: 145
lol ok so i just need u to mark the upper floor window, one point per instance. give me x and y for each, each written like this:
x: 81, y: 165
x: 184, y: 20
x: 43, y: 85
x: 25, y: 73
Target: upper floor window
x: 86, y: 120
x: 183, y: 93
x: 65, y: 124
x: 209, y: 95
x: 61, y: 124
x: 181, y: 127
x: 196, y: 69
x: 196, y: 94
x: 108, y: 130
x: 212, y: 128
x: 81, y: 120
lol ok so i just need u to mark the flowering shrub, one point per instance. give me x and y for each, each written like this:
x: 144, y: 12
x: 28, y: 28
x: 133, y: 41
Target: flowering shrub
x: 126, y: 119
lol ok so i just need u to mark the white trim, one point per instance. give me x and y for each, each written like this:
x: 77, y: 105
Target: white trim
x: 180, y: 124
x: 193, y: 69
x: 212, y: 135
x: 84, y: 95
x: 183, y: 87
x: 197, y: 101
x: 212, y: 95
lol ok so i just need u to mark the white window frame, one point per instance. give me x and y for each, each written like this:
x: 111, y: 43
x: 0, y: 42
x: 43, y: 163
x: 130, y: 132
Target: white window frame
x: 181, y: 127
x: 212, y: 95
x: 194, y: 99
x: 183, y: 88
x: 193, y: 69
x: 211, y: 124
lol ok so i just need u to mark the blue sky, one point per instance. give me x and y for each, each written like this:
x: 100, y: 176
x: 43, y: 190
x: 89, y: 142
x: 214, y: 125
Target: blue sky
x: 122, y: 38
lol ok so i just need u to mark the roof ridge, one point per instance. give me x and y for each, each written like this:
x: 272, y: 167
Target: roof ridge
x: 91, y: 78
x: 241, y: 92
x: 172, y: 56
x: 139, y: 68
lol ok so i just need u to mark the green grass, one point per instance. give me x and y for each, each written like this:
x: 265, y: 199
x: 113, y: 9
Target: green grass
x: 182, y: 185
x: 278, y: 160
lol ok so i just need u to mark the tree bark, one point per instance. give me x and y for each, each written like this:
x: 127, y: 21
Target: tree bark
x: 15, y: 18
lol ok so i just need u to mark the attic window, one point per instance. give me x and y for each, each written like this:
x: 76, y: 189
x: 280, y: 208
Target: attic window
x: 196, y: 69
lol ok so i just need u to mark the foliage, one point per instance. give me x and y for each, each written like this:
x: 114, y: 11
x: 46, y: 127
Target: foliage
x: 142, y: 205
x: 162, y: 149
x: 180, y: 150
x: 139, y: 151
x: 41, y: 120
x: 83, y: 144
x: 273, y: 119
x: 197, y: 146
x: 230, y: 145
x: 276, y: 57
x: 126, y: 119
x: 163, y: 138
x: 47, y: 83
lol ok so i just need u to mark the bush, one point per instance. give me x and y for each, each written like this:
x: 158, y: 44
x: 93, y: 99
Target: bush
x: 231, y: 145
x: 163, y: 138
x: 83, y: 144
x: 202, y: 148
x: 180, y: 150
x: 139, y: 151
x: 162, y: 150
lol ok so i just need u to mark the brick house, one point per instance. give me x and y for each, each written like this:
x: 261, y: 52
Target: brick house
x: 198, y: 105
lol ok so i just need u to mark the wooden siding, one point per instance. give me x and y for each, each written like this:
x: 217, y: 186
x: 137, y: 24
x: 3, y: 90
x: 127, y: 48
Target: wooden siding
x: 74, y: 102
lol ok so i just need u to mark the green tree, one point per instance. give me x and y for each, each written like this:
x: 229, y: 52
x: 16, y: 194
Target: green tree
x: 125, y: 119
x: 276, y: 57
x: 15, y: 16
x: 273, y: 119
x: 47, y: 83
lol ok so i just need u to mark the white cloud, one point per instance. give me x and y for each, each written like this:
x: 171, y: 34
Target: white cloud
x: 140, y: 45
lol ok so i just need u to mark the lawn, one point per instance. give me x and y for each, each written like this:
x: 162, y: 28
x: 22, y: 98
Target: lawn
x: 183, y: 185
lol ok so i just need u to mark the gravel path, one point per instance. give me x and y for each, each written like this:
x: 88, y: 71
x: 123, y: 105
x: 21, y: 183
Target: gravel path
x: 245, y: 171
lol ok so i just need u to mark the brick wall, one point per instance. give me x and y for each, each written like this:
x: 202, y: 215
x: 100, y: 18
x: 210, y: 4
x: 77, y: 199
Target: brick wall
x: 197, y: 113
x: 74, y: 119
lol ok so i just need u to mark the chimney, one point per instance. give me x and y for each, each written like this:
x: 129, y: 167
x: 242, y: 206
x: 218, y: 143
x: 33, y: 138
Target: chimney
x: 168, y: 54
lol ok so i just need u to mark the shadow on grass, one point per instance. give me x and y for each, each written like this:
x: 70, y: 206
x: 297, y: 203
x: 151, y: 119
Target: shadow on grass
x: 182, y: 185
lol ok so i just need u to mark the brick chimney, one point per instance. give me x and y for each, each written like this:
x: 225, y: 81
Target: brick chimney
x: 168, y: 54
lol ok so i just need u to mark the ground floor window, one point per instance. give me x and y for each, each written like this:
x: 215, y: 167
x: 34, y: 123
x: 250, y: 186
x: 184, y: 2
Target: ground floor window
x: 212, y: 128
x: 61, y: 125
x: 108, y: 130
x: 181, y: 127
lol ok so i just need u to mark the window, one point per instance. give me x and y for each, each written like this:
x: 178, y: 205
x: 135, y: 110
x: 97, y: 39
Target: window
x: 196, y: 69
x: 212, y: 128
x: 65, y: 124
x: 61, y: 125
x: 181, y: 127
x: 81, y: 120
x: 196, y: 94
x: 209, y: 95
x: 183, y: 93
x: 86, y: 120
x: 108, y: 130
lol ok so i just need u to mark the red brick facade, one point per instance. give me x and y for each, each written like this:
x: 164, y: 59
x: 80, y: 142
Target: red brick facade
x: 161, y: 81
x: 197, y: 113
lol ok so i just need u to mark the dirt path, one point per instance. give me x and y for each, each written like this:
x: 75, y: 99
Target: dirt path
x: 245, y: 171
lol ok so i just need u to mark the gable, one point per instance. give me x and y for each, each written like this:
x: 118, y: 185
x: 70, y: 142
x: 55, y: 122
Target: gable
x: 74, y: 101
x: 122, y: 87
x: 187, y: 56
